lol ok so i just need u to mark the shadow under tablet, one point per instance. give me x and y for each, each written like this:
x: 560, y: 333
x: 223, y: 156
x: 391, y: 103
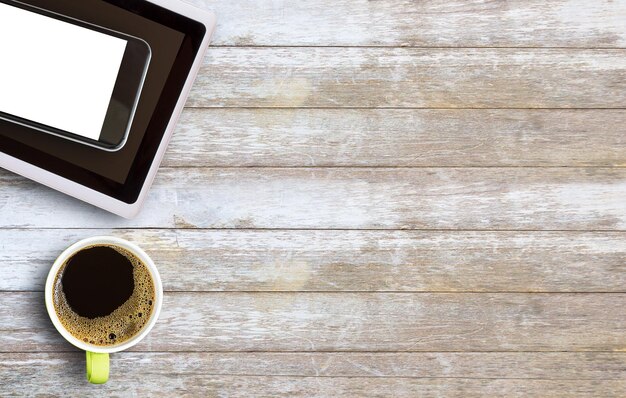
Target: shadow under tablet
x: 165, y: 44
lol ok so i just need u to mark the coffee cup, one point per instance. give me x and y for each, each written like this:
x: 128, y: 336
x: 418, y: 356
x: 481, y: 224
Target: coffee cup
x: 78, y: 306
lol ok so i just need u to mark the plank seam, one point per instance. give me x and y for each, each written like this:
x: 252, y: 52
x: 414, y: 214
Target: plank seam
x: 619, y: 166
x: 409, y: 46
x: 369, y: 292
x: 248, y: 229
x: 404, y: 108
x: 381, y: 353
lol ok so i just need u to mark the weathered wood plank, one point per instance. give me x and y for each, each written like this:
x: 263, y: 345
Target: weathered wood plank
x: 436, y: 23
x: 352, y: 322
x: 407, y: 77
x: 163, y: 374
x: 392, y: 137
x: 469, y: 365
x: 240, y: 260
x: 155, y: 383
x: 424, y: 198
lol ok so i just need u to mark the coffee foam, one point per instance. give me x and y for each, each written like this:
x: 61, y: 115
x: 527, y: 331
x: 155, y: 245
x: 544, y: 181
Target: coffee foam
x: 123, y: 323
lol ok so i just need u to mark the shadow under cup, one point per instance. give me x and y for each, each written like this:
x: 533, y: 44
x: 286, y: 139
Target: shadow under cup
x: 131, y: 319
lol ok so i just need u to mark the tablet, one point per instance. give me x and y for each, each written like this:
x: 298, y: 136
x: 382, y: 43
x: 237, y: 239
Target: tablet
x: 178, y: 35
x: 90, y: 85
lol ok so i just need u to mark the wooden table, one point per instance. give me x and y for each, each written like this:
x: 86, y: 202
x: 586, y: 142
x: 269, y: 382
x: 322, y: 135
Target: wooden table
x: 366, y: 198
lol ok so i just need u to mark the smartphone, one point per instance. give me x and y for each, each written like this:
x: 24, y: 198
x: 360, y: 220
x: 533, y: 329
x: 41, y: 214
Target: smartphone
x: 69, y: 78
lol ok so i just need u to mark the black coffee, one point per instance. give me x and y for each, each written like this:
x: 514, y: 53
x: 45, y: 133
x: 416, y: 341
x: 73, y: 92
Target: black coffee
x: 97, y: 281
x: 104, y: 295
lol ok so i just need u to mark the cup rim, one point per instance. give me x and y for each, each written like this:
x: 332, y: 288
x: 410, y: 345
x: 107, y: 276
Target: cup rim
x: 106, y: 240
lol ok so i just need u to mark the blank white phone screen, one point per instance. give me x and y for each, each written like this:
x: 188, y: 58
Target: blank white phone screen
x: 56, y: 73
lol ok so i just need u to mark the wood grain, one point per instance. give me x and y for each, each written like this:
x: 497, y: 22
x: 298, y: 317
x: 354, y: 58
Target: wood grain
x: 167, y: 385
x: 385, y: 198
x: 469, y: 365
x: 406, y: 78
x: 303, y: 374
x: 434, y: 23
x: 398, y: 137
x: 243, y: 260
x: 193, y: 321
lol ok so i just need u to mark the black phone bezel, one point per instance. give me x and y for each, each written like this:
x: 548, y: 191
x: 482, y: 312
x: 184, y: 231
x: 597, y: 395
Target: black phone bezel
x: 129, y: 191
x: 126, y: 92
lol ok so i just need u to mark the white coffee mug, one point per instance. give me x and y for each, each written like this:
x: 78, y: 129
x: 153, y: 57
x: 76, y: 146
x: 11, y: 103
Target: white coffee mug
x: 98, y: 356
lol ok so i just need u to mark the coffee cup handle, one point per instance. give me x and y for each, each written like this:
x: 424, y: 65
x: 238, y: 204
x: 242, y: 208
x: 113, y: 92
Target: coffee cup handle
x: 97, y: 367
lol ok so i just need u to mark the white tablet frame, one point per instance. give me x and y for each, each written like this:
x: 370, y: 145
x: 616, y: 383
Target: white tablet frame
x: 99, y: 199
